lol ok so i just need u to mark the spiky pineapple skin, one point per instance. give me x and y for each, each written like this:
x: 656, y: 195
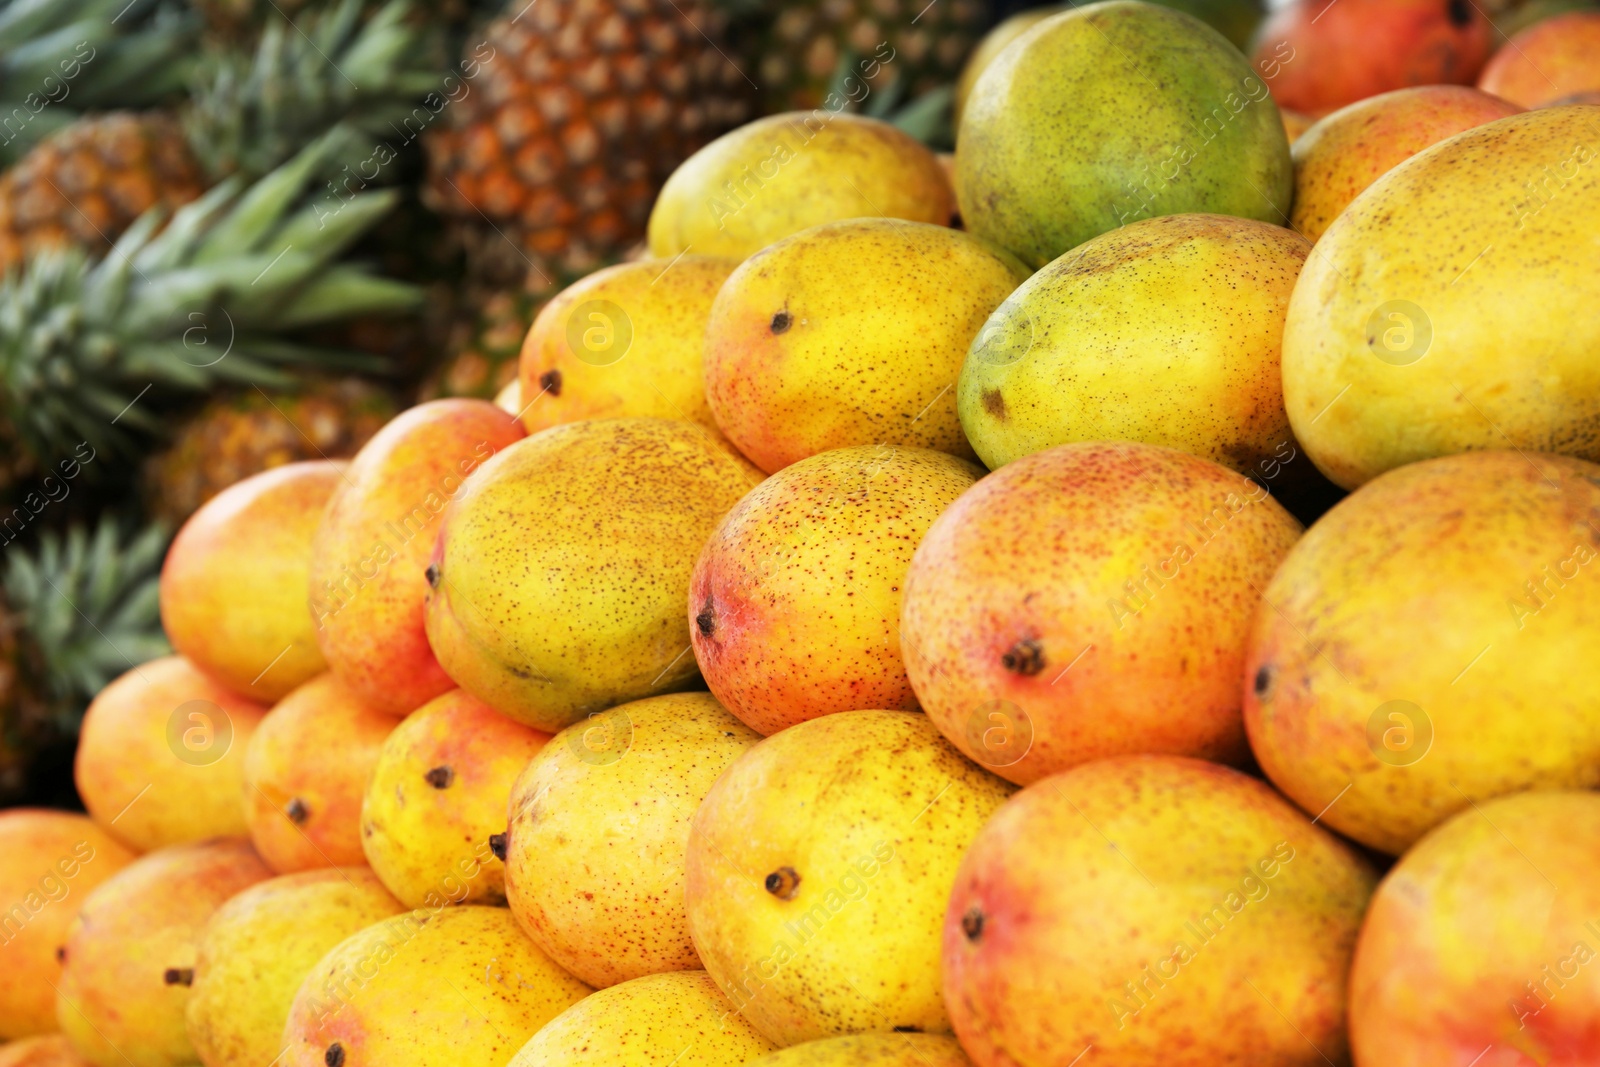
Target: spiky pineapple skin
x: 243, y: 433
x: 85, y: 184
x: 575, y: 113
x: 854, y: 48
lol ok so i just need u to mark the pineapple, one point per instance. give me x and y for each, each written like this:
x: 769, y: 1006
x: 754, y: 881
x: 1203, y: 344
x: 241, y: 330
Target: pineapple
x: 59, y: 57
x: 573, y: 113
x: 207, y: 301
x: 839, y: 54
x: 243, y: 432
x: 86, y: 183
x: 74, y: 614
x: 245, y: 20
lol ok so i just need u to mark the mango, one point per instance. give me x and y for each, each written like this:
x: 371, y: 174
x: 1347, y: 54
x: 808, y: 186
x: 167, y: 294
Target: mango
x: 372, y: 548
x: 161, y: 755
x: 1166, y: 118
x: 785, y: 173
x: 1295, y: 124
x: 1320, y: 56
x: 1338, y: 158
x: 460, y: 986
x: 49, y: 1050
x: 53, y: 861
x: 130, y: 953
x: 795, y: 599
x: 1547, y: 62
x: 871, y: 1050
x: 562, y: 570
x: 250, y: 545
x: 650, y: 1020
x: 819, y: 867
x: 256, y: 949
x: 624, y: 341
x: 305, y: 774
x: 1161, y: 910
x: 633, y: 774
x: 1091, y: 600
x: 1143, y: 334
x: 1443, y: 965
x: 436, y: 797
x: 1471, y: 335
x: 850, y: 333
x: 1485, y: 550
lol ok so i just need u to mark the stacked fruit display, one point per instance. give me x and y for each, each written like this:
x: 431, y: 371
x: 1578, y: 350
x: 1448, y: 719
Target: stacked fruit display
x: 1120, y: 595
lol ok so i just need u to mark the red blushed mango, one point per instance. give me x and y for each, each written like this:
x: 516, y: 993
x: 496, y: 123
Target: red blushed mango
x: 1480, y: 946
x: 436, y: 796
x: 1318, y: 55
x: 306, y: 772
x: 131, y: 952
x: 50, y: 1050
x: 233, y: 590
x: 161, y: 756
x: 53, y: 860
x: 1165, y: 912
x: 1548, y: 62
x: 795, y: 602
x: 1335, y: 160
x: 370, y: 556
x: 1091, y: 600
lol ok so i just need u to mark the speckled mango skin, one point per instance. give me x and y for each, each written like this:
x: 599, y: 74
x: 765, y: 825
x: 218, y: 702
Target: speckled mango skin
x: 53, y: 860
x: 48, y: 1050
x: 1098, y: 599
x: 606, y: 913
x: 871, y: 1050
x: 1166, y: 331
x: 113, y: 1001
x: 455, y: 987
x: 1141, y: 849
x: 233, y: 588
x: 256, y: 949
x: 374, y: 543
x: 1511, y: 355
x: 794, y: 607
x: 663, y: 305
x: 1547, y: 62
x: 563, y: 566
x: 1339, y: 157
x: 785, y: 173
x: 125, y: 754
x: 1447, y: 547
x: 652, y: 1020
x: 437, y: 794
x: 851, y: 333
x: 305, y: 774
x: 1099, y: 116
x: 857, y: 822
x: 1443, y: 968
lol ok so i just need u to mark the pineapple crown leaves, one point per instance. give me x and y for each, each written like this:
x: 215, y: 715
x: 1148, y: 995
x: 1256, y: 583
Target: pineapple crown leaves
x: 60, y: 57
x: 250, y: 112
x: 89, y: 606
x: 202, y: 301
